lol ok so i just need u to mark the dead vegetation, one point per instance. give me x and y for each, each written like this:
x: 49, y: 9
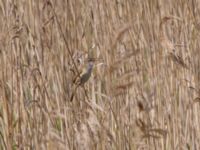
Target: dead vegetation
x: 144, y: 89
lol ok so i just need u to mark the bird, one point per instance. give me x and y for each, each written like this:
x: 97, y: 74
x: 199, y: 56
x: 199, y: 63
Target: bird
x: 84, y: 76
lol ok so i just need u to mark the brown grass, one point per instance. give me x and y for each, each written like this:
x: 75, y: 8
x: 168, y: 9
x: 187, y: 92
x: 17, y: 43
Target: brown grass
x: 138, y: 97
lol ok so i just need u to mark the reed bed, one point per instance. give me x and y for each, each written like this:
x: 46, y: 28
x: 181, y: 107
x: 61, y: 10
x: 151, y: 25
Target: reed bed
x: 144, y: 90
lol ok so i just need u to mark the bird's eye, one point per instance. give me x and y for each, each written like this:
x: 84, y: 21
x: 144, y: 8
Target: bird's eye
x: 79, y: 61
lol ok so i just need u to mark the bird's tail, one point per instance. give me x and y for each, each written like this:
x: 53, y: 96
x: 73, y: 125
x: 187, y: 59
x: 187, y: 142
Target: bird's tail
x: 73, y: 93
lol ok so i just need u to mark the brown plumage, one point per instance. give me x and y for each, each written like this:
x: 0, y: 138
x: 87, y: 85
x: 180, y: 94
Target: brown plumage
x: 83, y: 77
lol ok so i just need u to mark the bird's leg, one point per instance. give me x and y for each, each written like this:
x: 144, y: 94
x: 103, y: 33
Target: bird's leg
x: 75, y: 78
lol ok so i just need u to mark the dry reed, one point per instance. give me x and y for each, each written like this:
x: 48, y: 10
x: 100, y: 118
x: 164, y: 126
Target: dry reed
x: 137, y: 99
